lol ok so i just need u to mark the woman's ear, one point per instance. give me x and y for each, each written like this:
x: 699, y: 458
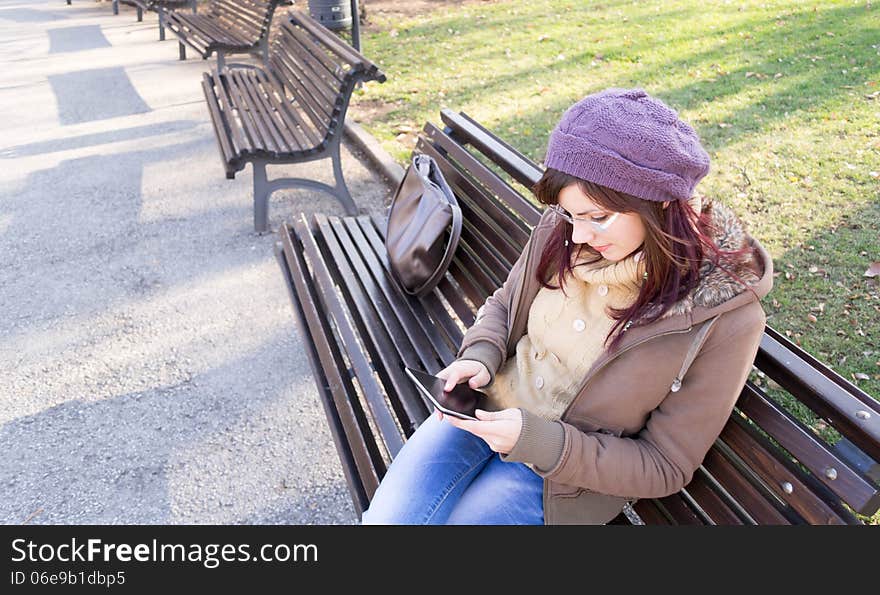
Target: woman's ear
x: 665, y: 203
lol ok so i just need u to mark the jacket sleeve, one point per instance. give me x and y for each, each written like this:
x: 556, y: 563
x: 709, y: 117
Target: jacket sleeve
x: 486, y: 340
x: 662, y: 458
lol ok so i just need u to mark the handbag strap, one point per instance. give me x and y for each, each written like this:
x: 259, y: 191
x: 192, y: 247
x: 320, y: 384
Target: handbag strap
x: 424, y: 164
x: 454, y: 235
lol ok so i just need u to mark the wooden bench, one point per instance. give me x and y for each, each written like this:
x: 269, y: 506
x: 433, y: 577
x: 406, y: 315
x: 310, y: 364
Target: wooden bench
x: 290, y: 112
x: 359, y: 330
x: 227, y: 27
x: 160, y: 7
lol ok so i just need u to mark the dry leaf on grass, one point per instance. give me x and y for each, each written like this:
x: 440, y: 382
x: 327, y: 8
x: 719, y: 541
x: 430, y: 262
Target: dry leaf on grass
x: 873, y: 270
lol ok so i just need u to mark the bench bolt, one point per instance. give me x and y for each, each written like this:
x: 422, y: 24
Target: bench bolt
x: 831, y: 473
x: 862, y: 414
x: 787, y: 487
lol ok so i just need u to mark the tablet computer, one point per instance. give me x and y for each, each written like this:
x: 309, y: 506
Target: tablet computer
x: 462, y: 401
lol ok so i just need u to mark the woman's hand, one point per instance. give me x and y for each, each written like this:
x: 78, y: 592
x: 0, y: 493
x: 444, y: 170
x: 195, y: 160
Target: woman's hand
x: 500, y: 429
x: 462, y: 369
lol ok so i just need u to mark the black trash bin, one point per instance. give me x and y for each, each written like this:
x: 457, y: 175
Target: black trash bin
x: 333, y: 14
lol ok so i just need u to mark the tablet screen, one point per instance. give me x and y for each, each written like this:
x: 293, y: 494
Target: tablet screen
x: 461, y: 401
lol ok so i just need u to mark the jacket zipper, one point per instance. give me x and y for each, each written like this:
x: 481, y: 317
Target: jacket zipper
x: 614, y: 357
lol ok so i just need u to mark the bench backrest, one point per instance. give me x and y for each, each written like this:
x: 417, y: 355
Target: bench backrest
x: 250, y: 18
x: 768, y: 466
x: 319, y: 70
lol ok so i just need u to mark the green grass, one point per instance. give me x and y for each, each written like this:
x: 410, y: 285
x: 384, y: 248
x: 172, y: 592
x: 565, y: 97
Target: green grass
x: 784, y: 94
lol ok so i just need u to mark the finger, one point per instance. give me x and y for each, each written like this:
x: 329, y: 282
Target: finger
x: 486, y: 415
x: 453, y: 379
x: 439, y: 414
x: 479, y: 379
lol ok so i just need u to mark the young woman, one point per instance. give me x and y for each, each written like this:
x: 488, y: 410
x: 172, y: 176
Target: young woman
x: 613, y: 354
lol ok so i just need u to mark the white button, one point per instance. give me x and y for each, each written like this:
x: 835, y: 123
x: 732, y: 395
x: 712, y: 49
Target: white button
x: 603, y: 290
x: 539, y: 382
x: 579, y: 325
x: 539, y: 355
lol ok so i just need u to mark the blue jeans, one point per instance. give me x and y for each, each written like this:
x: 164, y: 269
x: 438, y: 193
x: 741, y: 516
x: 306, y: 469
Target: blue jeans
x: 444, y: 475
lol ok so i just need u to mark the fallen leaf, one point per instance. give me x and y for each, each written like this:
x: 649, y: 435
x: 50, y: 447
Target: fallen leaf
x: 873, y: 270
x: 811, y: 318
x: 861, y: 376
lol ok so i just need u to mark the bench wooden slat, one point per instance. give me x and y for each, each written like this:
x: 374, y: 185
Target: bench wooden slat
x: 375, y: 339
x: 509, y: 159
x: 439, y: 321
x: 827, y: 398
x: 410, y: 348
x: 336, y: 70
x: 303, y: 134
x: 253, y: 111
x: 356, y: 443
x: 245, y: 115
x: 336, y: 45
x: 814, y: 454
x: 318, y: 113
x: 221, y: 128
x: 335, y: 307
x: 773, y: 469
x: 415, y: 311
x: 700, y: 496
x: 756, y: 506
x: 511, y: 198
x: 322, y: 86
x: 283, y: 126
x: 484, y: 221
x: 677, y: 511
x: 239, y: 141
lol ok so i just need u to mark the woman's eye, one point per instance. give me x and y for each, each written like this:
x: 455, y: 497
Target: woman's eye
x: 600, y: 219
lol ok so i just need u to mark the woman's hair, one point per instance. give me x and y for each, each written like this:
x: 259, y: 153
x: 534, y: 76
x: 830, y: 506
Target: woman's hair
x: 676, y: 241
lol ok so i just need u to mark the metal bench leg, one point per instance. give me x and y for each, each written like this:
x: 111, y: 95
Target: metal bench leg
x: 182, y: 50
x: 221, y: 61
x: 140, y: 14
x: 115, y: 6
x: 340, y: 189
x: 161, y: 24
x: 264, y: 47
x: 262, y: 190
x: 193, y: 2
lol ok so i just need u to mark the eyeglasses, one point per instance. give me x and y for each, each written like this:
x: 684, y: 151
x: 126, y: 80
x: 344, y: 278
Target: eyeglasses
x: 599, y: 225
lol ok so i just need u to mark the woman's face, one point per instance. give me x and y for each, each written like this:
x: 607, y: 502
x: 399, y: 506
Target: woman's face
x: 623, y: 237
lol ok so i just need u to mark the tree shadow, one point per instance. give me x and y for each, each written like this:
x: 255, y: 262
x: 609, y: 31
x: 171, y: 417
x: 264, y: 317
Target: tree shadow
x: 201, y: 449
x: 76, y: 39
x: 97, y: 94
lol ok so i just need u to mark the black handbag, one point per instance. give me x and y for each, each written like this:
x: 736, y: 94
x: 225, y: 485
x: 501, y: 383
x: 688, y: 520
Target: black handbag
x: 424, y: 226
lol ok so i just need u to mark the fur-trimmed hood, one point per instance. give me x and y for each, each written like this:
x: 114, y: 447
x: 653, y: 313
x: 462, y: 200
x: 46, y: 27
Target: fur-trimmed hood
x: 720, y: 283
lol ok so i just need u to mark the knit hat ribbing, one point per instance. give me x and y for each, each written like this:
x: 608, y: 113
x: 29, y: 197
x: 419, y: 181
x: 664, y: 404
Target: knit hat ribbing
x: 630, y: 142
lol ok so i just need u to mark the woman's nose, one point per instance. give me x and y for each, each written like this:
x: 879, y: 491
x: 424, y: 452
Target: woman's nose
x: 582, y: 233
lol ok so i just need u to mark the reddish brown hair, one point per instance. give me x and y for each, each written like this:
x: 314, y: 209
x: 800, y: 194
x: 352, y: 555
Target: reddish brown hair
x: 677, y: 240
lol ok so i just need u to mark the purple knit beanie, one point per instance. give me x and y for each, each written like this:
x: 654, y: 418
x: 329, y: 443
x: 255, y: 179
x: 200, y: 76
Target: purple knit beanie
x: 630, y: 142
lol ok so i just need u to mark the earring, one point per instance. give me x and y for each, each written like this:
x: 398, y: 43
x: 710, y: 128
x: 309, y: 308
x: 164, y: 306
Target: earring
x: 566, y: 243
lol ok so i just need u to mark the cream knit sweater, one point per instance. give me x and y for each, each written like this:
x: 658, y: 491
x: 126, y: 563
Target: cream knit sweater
x: 565, y: 335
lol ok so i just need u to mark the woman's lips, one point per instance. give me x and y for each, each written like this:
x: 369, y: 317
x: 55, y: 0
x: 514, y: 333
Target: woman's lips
x: 601, y: 248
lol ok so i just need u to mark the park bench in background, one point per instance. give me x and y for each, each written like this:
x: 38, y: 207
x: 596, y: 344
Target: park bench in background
x: 160, y: 7
x: 291, y: 111
x: 226, y: 27
x: 359, y: 331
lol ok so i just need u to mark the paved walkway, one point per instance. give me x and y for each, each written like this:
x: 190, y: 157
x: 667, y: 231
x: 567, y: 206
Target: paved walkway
x: 150, y: 368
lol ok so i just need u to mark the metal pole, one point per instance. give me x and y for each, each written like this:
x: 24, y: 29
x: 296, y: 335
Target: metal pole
x: 355, y: 26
